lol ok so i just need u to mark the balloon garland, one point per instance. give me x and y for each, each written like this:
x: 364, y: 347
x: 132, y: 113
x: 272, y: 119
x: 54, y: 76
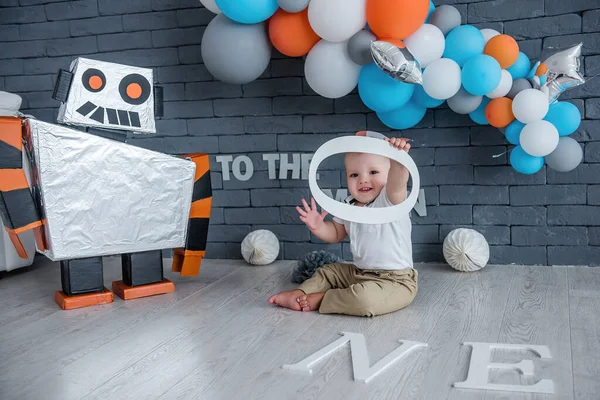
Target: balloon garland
x: 407, y: 56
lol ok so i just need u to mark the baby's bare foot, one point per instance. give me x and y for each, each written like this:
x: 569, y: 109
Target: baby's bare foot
x: 287, y: 299
x: 311, y: 302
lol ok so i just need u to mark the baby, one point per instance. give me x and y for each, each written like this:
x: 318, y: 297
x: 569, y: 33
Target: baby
x: 382, y: 278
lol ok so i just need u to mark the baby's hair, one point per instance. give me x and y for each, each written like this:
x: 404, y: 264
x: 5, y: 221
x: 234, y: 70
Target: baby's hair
x: 348, y: 155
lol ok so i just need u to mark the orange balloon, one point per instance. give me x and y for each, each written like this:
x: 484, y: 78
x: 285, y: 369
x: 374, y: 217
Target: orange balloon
x: 504, y: 49
x: 396, y: 19
x: 541, y: 69
x: 291, y: 33
x: 499, y: 112
x: 396, y: 42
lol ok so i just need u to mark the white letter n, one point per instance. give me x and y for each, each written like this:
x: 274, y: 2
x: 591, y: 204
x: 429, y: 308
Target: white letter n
x: 363, y: 372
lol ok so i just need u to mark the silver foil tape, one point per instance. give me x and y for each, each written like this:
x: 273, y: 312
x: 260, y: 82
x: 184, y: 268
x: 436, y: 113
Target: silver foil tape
x: 101, y: 197
x: 109, y: 95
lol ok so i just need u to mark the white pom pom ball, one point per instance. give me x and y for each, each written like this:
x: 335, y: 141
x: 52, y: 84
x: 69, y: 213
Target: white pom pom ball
x: 466, y: 250
x: 260, y: 247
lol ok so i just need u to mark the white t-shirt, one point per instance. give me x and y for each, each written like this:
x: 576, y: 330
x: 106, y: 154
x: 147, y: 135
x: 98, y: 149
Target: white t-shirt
x: 380, y: 246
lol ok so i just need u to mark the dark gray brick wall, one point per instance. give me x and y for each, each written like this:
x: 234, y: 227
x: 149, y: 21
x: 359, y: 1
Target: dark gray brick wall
x: 546, y: 218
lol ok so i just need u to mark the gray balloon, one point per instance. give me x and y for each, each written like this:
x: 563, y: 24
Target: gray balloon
x: 567, y: 155
x: 446, y: 18
x: 518, y: 86
x: 464, y: 102
x: 233, y: 52
x: 359, y: 47
x: 293, y: 6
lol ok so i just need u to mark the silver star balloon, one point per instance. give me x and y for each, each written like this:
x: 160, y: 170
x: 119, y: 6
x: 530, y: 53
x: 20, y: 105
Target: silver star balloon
x: 535, y: 83
x: 399, y: 63
x: 563, y: 72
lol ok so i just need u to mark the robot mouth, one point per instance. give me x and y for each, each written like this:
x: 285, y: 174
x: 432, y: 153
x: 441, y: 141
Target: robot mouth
x: 115, y: 117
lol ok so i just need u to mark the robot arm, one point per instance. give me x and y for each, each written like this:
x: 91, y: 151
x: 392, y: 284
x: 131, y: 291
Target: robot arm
x: 187, y: 260
x: 17, y: 206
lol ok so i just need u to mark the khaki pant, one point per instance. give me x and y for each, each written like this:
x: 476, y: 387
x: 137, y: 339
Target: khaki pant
x: 350, y: 290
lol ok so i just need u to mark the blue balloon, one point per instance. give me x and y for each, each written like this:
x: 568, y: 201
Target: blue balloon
x: 481, y: 74
x: 521, y: 67
x: 543, y: 80
x: 431, y: 9
x: 478, y: 115
x: 533, y: 70
x: 421, y: 98
x: 406, y: 117
x: 525, y: 163
x: 513, y: 132
x: 462, y: 43
x: 248, y: 11
x: 380, y: 92
x: 564, y: 116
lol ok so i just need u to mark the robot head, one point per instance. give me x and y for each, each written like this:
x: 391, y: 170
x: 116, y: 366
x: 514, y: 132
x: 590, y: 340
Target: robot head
x: 106, y: 95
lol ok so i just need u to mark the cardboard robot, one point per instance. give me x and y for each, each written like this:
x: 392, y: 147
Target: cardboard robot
x: 92, y: 196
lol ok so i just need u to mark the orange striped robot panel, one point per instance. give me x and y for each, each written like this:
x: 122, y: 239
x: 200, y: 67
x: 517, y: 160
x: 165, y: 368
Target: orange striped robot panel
x: 17, y: 207
x: 187, y: 260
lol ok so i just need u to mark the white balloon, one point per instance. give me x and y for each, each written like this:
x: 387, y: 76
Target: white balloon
x: 530, y: 105
x: 442, y: 79
x: 488, y: 34
x: 539, y: 138
x: 427, y: 44
x: 503, y: 87
x: 329, y: 70
x: 337, y: 20
x: 211, y: 6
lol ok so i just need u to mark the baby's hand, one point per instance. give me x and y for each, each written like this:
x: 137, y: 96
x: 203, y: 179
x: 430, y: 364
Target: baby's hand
x: 399, y: 143
x: 310, y: 216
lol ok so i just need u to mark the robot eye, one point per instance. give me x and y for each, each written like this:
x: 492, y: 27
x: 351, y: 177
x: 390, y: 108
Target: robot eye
x: 93, y: 80
x: 134, y: 89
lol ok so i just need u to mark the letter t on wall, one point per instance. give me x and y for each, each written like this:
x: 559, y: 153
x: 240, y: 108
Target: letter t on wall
x: 270, y: 159
x: 480, y: 365
x: 224, y: 160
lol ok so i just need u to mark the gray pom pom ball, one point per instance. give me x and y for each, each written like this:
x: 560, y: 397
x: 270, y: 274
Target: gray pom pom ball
x: 308, y: 264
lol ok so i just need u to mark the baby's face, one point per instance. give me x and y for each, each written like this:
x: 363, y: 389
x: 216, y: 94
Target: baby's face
x: 366, y: 174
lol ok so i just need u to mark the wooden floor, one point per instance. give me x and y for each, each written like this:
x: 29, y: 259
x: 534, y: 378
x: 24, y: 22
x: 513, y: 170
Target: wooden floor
x: 216, y: 337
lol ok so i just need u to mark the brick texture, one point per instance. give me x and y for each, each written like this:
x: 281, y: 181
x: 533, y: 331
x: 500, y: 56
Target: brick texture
x: 545, y: 218
x: 9, y: 33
